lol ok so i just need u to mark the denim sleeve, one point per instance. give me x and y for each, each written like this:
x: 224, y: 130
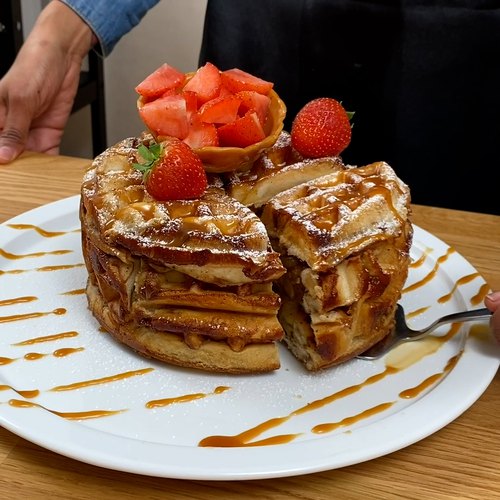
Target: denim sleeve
x: 110, y: 20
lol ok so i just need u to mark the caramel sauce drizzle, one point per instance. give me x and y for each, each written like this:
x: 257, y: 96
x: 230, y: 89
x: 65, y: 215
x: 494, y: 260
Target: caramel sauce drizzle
x: 243, y: 439
x: 32, y: 356
x: 40, y: 231
x: 42, y: 269
x: 74, y: 415
x: 13, y: 256
x: 78, y: 291
x: 329, y: 427
x: 431, y: 274
x: 416, y: 312
x: 462, y: 281
x: 246, y: 438
x: 481, y: 294
x: 429, y: 381
x: 420, y: 261
x: 59, y: 268
x: 21, y: 317
x: 25, y: 394
x: 17, y: 300
x: 47, y: 338
x: 86, y: 383
x: 58, y: 353
x: 156, y: 403
x: 103, y: 380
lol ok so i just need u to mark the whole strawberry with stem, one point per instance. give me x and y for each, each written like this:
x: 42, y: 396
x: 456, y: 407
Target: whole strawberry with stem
x: 172, y: 170
x: 321, y: 128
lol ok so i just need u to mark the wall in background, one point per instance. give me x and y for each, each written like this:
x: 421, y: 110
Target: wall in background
x: 170, y: 32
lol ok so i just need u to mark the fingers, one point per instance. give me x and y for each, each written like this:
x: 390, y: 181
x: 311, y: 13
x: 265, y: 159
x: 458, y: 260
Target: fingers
x: 37, y: 92
x: 492, y: 302
x: 15, y: 119
x: 12, y: 143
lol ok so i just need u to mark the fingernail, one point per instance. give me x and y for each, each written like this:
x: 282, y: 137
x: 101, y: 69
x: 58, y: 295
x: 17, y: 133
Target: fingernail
x: 7, y: 154
x: 494, y: 296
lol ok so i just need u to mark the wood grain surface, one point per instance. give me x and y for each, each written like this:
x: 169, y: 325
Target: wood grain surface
x: 461, y: 460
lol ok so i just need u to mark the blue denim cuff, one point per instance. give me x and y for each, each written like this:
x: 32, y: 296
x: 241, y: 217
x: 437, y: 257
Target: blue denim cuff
x: 110, y: 20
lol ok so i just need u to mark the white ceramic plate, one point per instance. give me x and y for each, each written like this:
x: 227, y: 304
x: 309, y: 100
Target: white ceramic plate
x: 58, y: 369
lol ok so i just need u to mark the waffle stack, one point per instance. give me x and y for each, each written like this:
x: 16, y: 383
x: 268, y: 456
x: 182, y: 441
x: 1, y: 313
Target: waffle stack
x: 311, y: 252
x: 344, y: 239
x: 187, y: 282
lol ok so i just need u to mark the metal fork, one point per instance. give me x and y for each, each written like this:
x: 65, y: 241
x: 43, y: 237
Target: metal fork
x: 403, y: 333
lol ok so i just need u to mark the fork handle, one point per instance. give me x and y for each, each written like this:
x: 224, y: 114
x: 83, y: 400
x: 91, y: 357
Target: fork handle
x: 482, y: 313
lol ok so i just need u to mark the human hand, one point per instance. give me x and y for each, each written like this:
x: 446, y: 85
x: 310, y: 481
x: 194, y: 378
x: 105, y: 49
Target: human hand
x: 492, y: 302
x: 37, y: 93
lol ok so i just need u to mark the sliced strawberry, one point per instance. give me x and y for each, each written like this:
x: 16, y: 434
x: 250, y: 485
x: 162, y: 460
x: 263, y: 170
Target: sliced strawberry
x: 172, y: 91
x: 172, y: 171
x: 191, y: 103
x: 251, y: 100
x: 202, y: 135
x: 242, y: 132
x: 205, y: 83
x: 224, y: 91
x: 157, y: 83
x: 236, y: 80
x: 220, y: 110
x: 166, y: 116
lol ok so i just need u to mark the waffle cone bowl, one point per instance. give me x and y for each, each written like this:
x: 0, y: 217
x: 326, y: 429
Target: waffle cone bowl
x: 218, y: 159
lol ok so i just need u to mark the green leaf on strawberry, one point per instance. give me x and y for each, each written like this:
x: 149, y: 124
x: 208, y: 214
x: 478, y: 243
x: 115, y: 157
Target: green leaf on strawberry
x: 171, y: 170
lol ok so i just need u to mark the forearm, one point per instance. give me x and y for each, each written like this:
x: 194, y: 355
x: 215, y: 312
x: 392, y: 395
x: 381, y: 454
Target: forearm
x: 110, y: 19
x: 58, y: 25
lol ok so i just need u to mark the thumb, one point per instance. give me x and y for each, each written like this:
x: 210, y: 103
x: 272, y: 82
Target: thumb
x: 492, y: 301
x: 14, y: 134
x: 11, y: 145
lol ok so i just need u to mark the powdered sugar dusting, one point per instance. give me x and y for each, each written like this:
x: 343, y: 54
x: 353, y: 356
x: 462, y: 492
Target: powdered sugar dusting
x: 327, y: 219
x: 214, y: 228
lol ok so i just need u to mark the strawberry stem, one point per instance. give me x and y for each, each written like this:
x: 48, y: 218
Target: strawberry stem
x: 151, y: 155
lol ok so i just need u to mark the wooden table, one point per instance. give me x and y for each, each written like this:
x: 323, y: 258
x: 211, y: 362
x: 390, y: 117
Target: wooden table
x: 460, y: 461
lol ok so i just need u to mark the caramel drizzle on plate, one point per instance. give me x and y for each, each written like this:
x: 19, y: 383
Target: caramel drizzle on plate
x: 185, y: 398
x: 32, y: 356
x: 40, y: 231
x: 21, y: 317
x: 78, y: 291
x: 69, y: 415
x: 47, y: 338
x: 17, y: 300
x: 247, y: 437
x: 43, y: 269
x: 102, y: 380
x: 432, y: 273
x: 13, y: 256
